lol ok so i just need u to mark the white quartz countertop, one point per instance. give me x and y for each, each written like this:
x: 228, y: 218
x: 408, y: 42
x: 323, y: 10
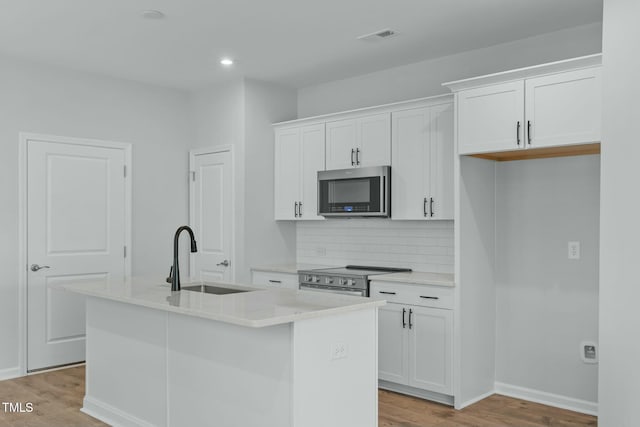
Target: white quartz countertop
x: 417, y: 278
x: 257, y: 308
x: 288, y: 268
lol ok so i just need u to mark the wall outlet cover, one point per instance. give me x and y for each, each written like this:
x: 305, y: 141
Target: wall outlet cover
x: 338, y: 351
x: 574, y: 250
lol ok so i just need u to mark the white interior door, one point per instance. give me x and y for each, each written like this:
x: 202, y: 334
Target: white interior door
x: 212, y: 215
x: 75, y: 231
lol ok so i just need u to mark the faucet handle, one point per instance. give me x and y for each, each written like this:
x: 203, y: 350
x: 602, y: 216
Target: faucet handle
x: 169, y: 279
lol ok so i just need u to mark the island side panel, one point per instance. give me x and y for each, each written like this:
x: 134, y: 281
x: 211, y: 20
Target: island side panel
x: 335, y: 370
x: 228, y: 375
x: 126, y: 364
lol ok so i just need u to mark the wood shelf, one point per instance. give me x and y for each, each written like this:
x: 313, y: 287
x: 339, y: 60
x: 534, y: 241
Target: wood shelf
x: 542, y: 153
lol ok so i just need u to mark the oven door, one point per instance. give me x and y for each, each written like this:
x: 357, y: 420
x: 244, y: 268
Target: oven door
x: 328, y: 289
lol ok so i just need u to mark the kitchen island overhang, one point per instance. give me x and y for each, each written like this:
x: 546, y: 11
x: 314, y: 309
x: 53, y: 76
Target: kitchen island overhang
x: 262, y: 358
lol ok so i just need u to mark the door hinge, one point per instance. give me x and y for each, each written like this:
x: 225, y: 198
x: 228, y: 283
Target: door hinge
x: 193, y: 176
x: 125, y: 170
x: 125, y: 251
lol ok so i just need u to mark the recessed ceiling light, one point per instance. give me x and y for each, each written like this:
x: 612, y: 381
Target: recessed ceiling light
x: 226, y: 62
x: 152, y: 14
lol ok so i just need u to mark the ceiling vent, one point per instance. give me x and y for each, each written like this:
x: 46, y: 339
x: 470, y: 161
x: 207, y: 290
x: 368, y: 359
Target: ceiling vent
x: 378, y: 35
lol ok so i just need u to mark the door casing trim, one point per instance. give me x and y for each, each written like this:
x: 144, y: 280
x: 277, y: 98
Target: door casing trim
x: 24, y: 138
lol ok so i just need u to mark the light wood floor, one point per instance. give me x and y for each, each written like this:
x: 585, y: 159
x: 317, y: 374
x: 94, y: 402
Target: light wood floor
x: 57, y: 398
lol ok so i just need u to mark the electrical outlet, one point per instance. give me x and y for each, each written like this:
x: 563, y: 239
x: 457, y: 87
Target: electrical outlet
x: 589, y: 352
x: 574, y: 250
x: 338, y: 351
x: 321, y: 251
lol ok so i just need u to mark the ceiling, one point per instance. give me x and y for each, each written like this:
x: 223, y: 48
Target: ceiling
x: 292, y: 42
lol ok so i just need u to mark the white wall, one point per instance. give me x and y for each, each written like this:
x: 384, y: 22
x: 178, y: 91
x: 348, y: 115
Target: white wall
x: 419, y: 245
x: 425, y: 78
x: 619, y: 216
x: 266, y: 241
x: 240, y: 112
x: 547, y: 304
x: 43, y: 99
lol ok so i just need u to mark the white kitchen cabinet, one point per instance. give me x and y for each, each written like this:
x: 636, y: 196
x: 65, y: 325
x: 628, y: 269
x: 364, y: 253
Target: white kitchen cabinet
x: 299, y: 155
x: 564, y: 109
x: 362, y: 141
x: 422, y: 163
x: 271, y: 279
x: 415, y: 342
x: 551, y: 110
x: 393, y: 347
x: 491, y: 118
x: 430, y: 346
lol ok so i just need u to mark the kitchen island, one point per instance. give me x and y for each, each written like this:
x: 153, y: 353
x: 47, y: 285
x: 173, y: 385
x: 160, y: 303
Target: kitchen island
x: 274, y: 357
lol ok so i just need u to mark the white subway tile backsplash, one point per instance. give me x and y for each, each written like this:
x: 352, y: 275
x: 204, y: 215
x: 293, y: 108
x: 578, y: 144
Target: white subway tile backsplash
x: 422, y: 246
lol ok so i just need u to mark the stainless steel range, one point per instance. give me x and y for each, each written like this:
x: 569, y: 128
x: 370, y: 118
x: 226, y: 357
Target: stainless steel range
x: 349, y: 280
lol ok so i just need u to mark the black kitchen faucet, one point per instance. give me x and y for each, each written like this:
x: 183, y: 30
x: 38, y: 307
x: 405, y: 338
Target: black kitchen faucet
x: 174, y: 273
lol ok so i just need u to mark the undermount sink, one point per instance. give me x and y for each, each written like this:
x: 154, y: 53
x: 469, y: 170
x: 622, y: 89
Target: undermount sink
x: 210, y: 289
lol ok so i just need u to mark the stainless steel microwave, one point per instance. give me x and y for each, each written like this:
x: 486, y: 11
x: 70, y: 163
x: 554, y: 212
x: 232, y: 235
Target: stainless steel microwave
x: 358, y: 192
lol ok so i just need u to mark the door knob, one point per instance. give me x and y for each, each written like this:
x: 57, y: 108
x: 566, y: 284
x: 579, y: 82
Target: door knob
x: 225, y: 263
x: 36, y: 267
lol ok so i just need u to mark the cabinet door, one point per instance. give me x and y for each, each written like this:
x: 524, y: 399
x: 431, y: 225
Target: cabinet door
x: 491, y: 118
x: 312, y: 140
x: 392, y: 344
x: 270, y: 279
x: 431, y: 349
x: 564, y: 108
x: 287, y: 173
x: 410, y: 142
x: 440, y: 171
x: 374, y: 140
x: 341, y: 144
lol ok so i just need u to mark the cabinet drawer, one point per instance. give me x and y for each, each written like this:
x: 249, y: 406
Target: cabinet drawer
x: 267, y: 279
x: 420, y: 295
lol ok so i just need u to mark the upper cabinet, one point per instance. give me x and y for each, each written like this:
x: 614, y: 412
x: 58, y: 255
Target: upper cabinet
x: 491, y: 118
x: 551, y: 105
x: 422, y: 163
x: 422, y: 160
x: 565, y: 108
x: 362, y: 141
x: 299, y: 155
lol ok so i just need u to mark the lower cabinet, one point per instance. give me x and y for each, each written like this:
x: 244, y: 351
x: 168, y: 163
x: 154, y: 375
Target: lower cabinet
x: 270, y: 279
x: 415, y: 342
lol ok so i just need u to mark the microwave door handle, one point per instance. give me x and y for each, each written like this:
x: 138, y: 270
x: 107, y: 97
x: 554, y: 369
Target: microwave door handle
x: 383, y: 195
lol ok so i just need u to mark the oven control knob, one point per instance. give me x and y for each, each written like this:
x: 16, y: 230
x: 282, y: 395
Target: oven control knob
x: 341, y: 281
x: 351, y: 282
x: 316, y: 279
x: 329, y: 280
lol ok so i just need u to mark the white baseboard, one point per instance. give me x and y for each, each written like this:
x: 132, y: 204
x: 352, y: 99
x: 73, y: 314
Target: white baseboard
x: 416, y: 392
x: 474, y: 400
x: 7, y: 374
x: 110, y: 415
x: 556, y: 400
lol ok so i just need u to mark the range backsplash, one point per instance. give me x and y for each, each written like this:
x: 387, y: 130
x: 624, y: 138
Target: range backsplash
x: 420, y: 245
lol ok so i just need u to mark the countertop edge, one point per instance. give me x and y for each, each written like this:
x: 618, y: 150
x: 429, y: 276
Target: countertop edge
x: 229, y: 319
